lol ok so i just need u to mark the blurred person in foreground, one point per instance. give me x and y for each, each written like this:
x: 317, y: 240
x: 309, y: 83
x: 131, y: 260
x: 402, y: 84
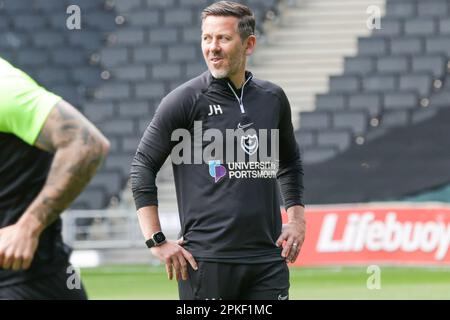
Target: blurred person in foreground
x: 48, y: 153
x: 232, y: 243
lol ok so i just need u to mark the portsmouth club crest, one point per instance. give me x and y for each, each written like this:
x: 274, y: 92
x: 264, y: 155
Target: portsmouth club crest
x: 249, y: 143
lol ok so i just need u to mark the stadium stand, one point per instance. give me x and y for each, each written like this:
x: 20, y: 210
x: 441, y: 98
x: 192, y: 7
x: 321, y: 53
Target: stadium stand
x: 308, y: 43
x: 34, y: 37
x: 116, y: 69
x: 384, y: 116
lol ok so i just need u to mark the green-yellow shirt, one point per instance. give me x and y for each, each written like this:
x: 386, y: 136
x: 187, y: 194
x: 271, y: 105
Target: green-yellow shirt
x: 24, y: 105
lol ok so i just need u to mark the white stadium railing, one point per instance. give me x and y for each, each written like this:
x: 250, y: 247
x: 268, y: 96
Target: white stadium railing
x: 110, y: 229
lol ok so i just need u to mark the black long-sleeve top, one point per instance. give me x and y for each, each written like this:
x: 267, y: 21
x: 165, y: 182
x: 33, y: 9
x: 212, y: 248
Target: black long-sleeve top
x: 228, y: 204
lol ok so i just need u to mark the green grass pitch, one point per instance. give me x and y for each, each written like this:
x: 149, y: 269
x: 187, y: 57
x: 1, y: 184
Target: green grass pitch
x: 147, y: 282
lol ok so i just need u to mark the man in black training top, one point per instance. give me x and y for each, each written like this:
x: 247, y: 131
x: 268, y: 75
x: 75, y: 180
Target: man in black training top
x: 48, y: 153
x: 230, y: 138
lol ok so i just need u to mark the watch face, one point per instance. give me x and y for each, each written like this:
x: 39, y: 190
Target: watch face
x: 159, y: 237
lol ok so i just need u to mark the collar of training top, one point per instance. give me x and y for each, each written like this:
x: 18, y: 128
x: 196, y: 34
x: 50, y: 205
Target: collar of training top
x: 223, y: 82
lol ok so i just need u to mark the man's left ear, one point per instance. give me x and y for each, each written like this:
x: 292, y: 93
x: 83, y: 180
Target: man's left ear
x: 251, y: 43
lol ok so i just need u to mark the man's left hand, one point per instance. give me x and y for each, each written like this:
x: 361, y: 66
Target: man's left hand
x: 293, y: 235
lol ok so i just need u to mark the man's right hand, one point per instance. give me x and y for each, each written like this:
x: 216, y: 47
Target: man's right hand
x: 18, y: 243
x: 175, y: 257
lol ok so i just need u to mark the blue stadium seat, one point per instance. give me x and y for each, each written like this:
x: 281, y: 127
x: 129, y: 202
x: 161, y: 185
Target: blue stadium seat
x: 373, y: 46
x: 330, y: 101
x: 318, y: 154
x: 345, y: 83
x: 358, y: 65
x: 306, y: 137
x: 407, y: 45
x: 418, y: 82
x: 356, y: 121
x: 371, y: 102
x: 315, y: 120
x: 338, y: 138
x: 395, y: 64
x: 401, y: 9
x: 390, y: 27
x: 379, y: 83
x: 435, y: 64
x: 421, y: 27
x: 401, y: 100
x: 435, y: 8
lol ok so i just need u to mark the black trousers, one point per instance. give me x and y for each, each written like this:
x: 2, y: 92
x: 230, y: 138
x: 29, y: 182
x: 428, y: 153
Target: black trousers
x: 60, y: 285
x: 214, y: 280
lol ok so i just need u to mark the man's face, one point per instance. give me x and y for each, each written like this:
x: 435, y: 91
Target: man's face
x: 222, y: 46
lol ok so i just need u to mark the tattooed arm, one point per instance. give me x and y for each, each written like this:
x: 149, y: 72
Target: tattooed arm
x: 79, y: 148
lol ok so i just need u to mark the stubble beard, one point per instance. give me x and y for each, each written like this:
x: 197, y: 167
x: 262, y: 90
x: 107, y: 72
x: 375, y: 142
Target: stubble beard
x: 219, y: 73
x: 226, y: 71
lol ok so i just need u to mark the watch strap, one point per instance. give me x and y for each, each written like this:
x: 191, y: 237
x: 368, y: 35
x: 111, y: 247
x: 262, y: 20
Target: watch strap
x: 150, y: 243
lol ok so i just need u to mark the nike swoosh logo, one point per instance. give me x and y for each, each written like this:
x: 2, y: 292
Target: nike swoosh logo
x: 280, y: 297
x: 244, y: 126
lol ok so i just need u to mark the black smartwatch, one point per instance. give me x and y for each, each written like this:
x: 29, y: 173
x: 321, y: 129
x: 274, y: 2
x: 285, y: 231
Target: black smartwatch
x: 157, y: 239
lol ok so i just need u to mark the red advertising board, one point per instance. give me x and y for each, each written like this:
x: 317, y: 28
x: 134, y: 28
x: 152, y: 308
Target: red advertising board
x: 388, y: 233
